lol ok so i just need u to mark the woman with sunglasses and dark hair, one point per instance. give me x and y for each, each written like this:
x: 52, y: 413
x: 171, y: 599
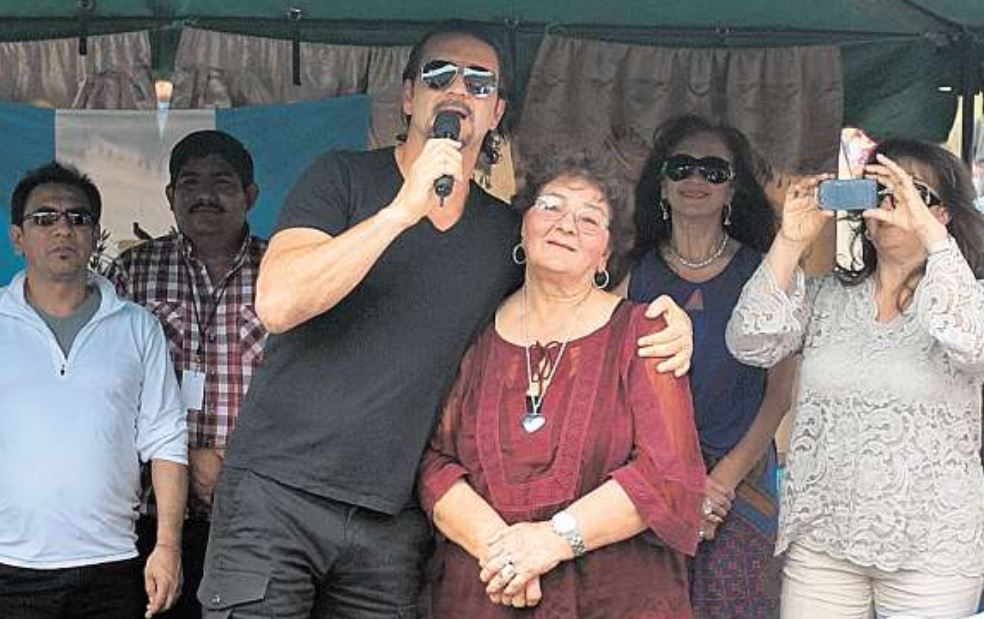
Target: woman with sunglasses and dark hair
x: 702, y: 224
x: 884, y: 496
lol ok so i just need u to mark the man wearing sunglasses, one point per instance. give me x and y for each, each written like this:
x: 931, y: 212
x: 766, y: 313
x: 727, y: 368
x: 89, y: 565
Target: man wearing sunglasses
x: 372, y: 287
x: 88, y: 393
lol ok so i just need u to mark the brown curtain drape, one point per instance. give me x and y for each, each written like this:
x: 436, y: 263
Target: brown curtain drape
x: 214, y: 69
x: 114, y: 74
x: 611, y: 96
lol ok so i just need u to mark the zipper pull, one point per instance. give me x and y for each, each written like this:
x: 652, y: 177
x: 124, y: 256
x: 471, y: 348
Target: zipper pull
x: 62, y: 370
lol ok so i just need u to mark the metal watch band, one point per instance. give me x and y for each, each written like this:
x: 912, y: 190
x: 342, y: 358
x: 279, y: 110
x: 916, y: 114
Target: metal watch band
x: 577, y: 543
x: 565, y: 526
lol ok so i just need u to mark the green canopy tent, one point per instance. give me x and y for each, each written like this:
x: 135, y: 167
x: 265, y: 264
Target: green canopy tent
x: 904, y: 61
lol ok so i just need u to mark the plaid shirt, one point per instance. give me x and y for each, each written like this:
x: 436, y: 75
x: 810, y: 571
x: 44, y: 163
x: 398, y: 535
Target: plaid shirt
x: 216, y: 320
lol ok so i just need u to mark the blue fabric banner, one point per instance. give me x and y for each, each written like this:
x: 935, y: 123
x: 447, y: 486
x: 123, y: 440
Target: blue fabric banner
x: 126, y: 154
x: 28, y: 142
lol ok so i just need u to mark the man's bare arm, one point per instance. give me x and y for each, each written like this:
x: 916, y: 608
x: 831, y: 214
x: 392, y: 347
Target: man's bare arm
x: 306, y: 272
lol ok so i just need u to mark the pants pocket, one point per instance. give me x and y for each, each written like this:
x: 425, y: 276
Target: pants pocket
x: 223, y: 592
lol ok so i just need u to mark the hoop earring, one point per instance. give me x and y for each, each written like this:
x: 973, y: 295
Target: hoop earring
x: 866, y: 234
x: 519, y: 254
x: 605, y: 279
x: 727, y: 215
x: 664, y: 208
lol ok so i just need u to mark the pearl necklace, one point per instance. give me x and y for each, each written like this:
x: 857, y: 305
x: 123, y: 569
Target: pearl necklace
x: 698, y: 264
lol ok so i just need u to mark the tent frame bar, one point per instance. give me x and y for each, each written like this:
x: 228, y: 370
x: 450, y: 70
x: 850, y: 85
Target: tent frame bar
x: 242, y: 24
x: 950, y: 33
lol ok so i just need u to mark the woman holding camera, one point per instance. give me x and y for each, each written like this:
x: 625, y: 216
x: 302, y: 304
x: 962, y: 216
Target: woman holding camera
x: 884, y: 496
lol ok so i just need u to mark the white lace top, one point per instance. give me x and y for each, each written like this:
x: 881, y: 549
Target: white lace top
x: 883, y: 465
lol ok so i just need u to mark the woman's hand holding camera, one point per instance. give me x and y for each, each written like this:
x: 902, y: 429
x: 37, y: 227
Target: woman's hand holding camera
x: 802, y: 217
x: 910, y: 211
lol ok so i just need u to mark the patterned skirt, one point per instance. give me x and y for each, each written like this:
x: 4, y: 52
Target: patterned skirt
x: 735, y: 575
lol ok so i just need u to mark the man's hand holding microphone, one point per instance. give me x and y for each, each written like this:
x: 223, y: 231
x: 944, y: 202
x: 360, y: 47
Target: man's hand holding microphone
x: 435, y: 171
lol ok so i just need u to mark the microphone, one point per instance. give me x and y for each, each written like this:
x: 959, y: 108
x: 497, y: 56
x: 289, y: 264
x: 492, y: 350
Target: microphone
x: 447, y: 125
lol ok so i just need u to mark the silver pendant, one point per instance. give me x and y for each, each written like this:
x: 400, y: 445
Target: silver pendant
x: 533, y: 422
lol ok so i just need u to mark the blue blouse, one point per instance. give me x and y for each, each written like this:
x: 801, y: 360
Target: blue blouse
x: 727, y: 394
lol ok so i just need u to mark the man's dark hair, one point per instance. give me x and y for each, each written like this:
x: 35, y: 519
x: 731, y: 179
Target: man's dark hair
x: 411, y: 71
x: 211, y: 142
x: 53, y: 173
x: 475, y: 31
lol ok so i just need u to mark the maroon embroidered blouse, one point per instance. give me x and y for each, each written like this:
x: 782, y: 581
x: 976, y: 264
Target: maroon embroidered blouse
x: 609, y: 415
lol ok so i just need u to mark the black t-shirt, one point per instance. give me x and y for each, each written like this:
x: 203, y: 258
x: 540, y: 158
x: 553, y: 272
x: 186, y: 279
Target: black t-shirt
x: 343, y: 405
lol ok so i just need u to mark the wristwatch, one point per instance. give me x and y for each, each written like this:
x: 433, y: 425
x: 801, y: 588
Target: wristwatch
x: 565, y: 525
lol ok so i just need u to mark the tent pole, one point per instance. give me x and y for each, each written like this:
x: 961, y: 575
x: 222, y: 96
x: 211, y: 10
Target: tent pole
x: 84, y: 12
x: 970, y: 67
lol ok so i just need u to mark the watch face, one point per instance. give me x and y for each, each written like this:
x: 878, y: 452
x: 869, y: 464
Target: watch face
x: 564, y: 522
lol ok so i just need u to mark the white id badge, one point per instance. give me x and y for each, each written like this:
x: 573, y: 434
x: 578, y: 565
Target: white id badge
x: 192, y: 389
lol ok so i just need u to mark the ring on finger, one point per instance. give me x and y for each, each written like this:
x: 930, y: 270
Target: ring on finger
x: 708, y: 507
x: 508, y: 571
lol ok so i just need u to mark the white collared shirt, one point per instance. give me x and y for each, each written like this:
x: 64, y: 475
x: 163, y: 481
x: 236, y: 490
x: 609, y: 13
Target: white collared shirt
x: 74, y: 429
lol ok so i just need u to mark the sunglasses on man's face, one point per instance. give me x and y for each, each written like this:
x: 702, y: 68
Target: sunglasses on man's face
x: 439, y: 74
x: 929, y: 197
x: 714, y: 169
x: 76, y: 217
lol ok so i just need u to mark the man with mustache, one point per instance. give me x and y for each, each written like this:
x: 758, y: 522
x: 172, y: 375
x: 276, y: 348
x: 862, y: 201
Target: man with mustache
x: 200, y: 283
x: 88, y: 394
x: 373, y: 287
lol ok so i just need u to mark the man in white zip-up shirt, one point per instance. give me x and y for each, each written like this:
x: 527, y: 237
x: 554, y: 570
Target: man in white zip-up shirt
x: 87, y: 391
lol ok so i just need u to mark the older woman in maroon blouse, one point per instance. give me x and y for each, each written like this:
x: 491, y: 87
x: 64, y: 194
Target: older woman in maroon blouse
x: 565, y: 475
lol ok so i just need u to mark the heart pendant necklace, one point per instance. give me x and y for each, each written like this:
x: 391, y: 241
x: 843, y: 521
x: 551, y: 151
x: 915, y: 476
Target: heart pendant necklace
x: 533, y: 418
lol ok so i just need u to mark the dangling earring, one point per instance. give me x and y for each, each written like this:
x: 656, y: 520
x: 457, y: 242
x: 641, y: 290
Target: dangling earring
x: 492, y: 147
x: 605, y: 279
x: 664, y: 209
x: 519, y: 254
x: 727, y: 214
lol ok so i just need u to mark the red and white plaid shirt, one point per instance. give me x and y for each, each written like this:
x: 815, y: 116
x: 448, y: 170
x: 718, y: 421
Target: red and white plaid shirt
x: 216, y: 320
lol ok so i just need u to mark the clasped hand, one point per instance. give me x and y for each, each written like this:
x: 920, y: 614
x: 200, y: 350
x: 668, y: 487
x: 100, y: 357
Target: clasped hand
x: 517, y: 556
x: 718, y: 498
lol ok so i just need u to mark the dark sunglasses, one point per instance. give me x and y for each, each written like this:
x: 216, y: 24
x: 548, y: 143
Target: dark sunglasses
x: 439, y: 74
x: 929, y: 197
x: 75, y: 217
x: 714, y: 169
